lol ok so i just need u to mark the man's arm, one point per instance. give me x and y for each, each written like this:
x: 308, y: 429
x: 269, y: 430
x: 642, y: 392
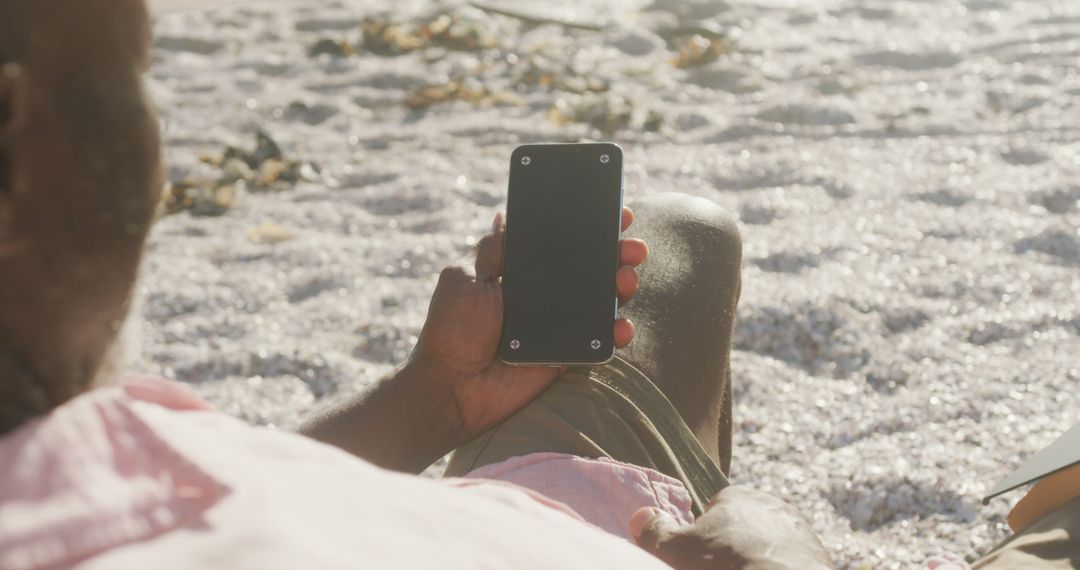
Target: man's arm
x: 396, y: 423
x: 454, y: 387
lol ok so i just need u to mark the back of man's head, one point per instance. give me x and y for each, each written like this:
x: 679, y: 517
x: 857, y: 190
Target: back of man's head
x: 79, y: 180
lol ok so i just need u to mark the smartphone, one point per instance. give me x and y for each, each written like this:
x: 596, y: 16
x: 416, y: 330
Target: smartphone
x: 563, y: 223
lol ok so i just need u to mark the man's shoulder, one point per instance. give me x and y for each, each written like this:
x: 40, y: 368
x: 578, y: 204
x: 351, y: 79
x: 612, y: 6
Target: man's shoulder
x: 160, y: 391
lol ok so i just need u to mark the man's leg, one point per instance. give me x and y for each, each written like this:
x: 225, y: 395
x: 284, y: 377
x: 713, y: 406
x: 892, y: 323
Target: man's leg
x: 684, y: 313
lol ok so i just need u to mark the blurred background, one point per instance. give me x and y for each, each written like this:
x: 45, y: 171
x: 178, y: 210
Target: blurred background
x: 905, y: 173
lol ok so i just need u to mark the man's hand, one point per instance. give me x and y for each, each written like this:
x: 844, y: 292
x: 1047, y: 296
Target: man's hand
x: 458, y: 346
x: 454, y: 387
x: 741, y: 529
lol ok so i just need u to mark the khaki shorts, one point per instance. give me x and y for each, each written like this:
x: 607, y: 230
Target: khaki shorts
x: 611, y: 411
x: 615, y: 411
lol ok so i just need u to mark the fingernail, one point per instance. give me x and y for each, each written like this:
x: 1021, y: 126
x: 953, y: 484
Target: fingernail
x: 497, y: 223
x: 640, y: 520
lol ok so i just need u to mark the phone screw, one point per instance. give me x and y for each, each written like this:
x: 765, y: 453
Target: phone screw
x: 515, y: 344
x: 525, y: 161
x: 604, y: 159
x: 595, y: 344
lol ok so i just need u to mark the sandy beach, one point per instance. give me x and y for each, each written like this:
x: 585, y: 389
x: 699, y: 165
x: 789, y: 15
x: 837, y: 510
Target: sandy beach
x: 906, y: 175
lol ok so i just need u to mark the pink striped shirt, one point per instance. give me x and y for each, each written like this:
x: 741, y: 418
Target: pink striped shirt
x: 144, y: 474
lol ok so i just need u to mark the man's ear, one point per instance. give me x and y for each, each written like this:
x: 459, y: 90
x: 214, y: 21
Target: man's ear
x: 12, y: 118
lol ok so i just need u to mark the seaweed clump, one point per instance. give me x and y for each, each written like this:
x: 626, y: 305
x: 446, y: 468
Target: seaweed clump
x: 449, y: 31
x: 608, y: 113
x: 465, y: 89
x: 383, y: 35
x: 264, y: 167
x: 699, y: 50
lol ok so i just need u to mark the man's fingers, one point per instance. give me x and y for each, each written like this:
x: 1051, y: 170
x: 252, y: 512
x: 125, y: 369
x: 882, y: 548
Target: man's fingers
x: 633, y: 252
x: 489, y: 252
x: 626, y: 283
x: 624, y: 332
x: 627, y: 217
x: 651, y: 528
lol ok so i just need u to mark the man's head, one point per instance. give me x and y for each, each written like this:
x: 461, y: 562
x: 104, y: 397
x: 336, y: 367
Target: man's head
x: 79, y: 182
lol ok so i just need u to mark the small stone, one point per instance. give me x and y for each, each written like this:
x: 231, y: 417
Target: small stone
x: 235, y: 169
x: 331, y: 47
x: 699, y: 50
x: 266, y: 148
x: 691, y: 9
x: 637, y: 42
x: 269, y: 233
x: 275, y: 170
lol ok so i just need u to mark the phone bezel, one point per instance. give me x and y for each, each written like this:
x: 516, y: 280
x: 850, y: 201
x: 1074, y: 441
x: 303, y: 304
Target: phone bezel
x: 610, y: 355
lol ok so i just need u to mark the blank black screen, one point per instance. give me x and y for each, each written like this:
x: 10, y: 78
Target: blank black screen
x: 561, y: 253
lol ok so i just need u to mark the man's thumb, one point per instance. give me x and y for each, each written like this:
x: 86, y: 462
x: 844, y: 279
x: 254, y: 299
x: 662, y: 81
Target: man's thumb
x: 489, y: 251
x: 651, y: 528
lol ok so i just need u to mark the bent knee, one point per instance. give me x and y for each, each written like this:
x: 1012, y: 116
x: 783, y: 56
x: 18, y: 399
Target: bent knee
x: 693, y: 219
